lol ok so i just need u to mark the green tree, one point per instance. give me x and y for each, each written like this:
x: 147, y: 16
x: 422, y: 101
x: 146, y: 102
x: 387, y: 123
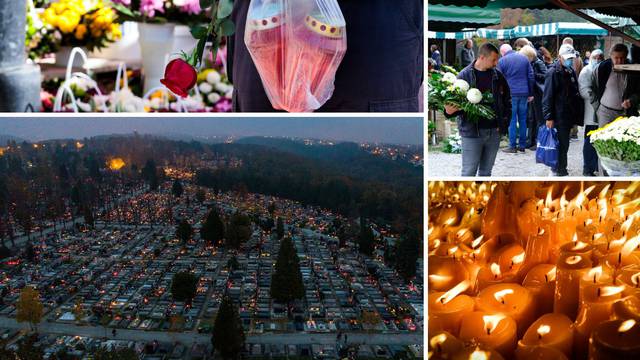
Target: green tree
x: 280, y: 228
x: 88, y: 217
x: 27, y: 349
x: 176, y: 189
x: 213, y: 228
x: 183, y: 286
x: 150, y: 174
x: 366, y: 238
x: 286, y: 282
x: 184, y: 231
x: 408, y: 250
x: 228, y: 336
x: 29, y: 308
x: 78, y: 311
x: 233, y: 264
x: 201, y: 195
x: 238, y: 230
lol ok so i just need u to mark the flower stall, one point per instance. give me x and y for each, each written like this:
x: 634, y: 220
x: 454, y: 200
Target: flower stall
x: 113, y: 55
x: 618, y: 146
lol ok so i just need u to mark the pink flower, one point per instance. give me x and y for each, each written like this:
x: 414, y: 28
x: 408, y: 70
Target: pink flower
x: 149, y: 7
x: 223, y: 105
x: 123, y: 2
x: 189, y: 6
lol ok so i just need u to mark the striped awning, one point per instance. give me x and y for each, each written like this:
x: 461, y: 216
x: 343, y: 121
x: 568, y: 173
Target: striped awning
x: 560, y: 28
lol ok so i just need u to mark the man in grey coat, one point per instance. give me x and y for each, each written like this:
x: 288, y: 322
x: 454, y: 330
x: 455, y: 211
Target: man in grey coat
x: 586, y: 83
x: 466, y: 55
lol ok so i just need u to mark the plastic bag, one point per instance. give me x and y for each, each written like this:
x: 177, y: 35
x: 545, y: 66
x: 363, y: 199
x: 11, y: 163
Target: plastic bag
x: 296, y: 49
x: 547, y: 148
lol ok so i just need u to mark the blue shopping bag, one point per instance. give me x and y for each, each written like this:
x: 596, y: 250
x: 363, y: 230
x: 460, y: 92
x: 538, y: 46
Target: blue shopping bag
x: 547, y: 150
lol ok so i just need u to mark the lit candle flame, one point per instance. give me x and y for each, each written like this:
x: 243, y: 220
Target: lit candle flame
x: 630, y: 245
x: 439, y: 278
x: 550, y: 275
x: 597, y: 236
x: 603, y: 192
x: 453, y: 250
x: 635, y: 279
x: 579, y: 246
x: 543, y: 330
x: 540, y: 231
x: 478, y: 354
x: 492, y: 321
x: 499, y: 295
x: 610, y: 290
x: 588, y: 222
x: 438, y: 340
x: 549, y: 200
x: 563, y: 201
x: 603, y: 213
x: 455, y: 291
x: 575, y: 237
x: 449, y: 221
x: 517, y: 259
x: 626, y: 325
x: 461, y: 232
x: 495, y: 269
x: 572, y: 260
x: 595, y: 273
x: 616, y: 243
x: 477, y: 241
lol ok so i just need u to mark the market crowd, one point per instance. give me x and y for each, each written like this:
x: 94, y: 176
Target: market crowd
x: 530, y: 89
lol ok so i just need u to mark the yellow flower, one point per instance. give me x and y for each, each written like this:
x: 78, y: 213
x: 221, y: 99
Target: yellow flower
x: 96, y: 32
x: 50, y: 17
x: 81, y: 30
x: 115, y: 32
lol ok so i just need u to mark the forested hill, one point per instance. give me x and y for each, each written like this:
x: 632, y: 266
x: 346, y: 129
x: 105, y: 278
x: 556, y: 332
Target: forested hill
x: 348, y: 158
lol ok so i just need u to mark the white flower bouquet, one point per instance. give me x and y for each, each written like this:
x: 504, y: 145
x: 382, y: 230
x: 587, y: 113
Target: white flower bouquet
x: 446, y: 89
x: 618, y: 146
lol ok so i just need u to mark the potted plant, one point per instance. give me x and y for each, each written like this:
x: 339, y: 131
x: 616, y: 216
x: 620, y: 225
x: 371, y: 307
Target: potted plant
x: 66, y: 24
x: 618, y: 146
x: 157, y: 21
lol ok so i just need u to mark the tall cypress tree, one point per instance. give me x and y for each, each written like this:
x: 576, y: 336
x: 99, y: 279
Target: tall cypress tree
x: 280, y: 228
x: 366, y: 240
x: 228, y: 335
x: 177, y: 188
x: 213, y: 228
x: 286, y: 282
x: 184, y: 231
x: 408, y: 250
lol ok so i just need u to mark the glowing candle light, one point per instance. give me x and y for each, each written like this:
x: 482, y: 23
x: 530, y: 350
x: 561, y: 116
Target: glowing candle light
x: 552, y: 330
x: 449, y: 307
x: 596, y: 307
x: 496, y: 331
x: 615, y: 339
x: 540, y: 281
x: 570, y: 268
x: 444, y: 345
x: 508, y: 299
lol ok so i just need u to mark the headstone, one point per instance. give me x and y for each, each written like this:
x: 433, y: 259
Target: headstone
x: 19, y: 81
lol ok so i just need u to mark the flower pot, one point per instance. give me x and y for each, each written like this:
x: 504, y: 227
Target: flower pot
x: 620, y: 168
x: 62, y: 56
x: 156, y: 45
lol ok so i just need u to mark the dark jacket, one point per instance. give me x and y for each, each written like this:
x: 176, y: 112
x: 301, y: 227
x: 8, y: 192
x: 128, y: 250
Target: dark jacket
x: 501, y: 102
x: 518, y: 72
x: 382, y: 69
x: 466, y: 57
x: 631, y: 87
x: 539, y: 74
x: 562, y: 101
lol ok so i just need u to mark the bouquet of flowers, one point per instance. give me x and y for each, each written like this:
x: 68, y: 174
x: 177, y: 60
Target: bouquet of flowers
x: 618, y: 145
x: 89, y: 24
x: 160, y: 11
x: 446, y: 89
x: 214, y: 87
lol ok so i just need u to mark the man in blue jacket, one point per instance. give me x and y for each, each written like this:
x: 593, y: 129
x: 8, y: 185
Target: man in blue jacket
x: 481, y: 139
x: 519, y: 74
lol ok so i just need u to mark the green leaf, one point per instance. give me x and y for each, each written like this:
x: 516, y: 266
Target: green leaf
x: 199, y: 31
x: 123, y: 9
x: 225, y: 7
x: 227, y: 27
x: 205, y: 4
x: 199, y: 51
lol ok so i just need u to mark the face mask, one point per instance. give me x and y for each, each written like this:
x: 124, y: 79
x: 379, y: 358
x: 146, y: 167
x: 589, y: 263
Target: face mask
x: 568, y: 63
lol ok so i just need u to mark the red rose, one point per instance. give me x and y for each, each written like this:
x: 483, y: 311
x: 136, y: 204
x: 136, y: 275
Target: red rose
x: 179, y: 77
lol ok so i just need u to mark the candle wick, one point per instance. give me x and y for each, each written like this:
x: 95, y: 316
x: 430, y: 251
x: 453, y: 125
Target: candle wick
x: 539, y: 337
x: 502, y: 301
x: 442, y: 300
x: 546, y: 278
x: 439, y: 348
x: 594, y: 278
x: 598, y: 292
x: 619, y: 258
x: 488, y: 331
x: 608, y: 245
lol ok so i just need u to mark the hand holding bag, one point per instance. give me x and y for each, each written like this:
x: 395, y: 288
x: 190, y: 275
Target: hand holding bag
x: 547, y: 150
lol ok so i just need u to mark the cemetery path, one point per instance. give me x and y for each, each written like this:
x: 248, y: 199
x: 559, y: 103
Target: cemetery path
x: 189, y: 338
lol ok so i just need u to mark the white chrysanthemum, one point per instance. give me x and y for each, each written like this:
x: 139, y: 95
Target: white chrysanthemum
x: 83, y: 106
x: 461, y: 85
x: 205, y: 87
x: 474, y: 96
x: 449, y: 77
x: 213, y: 98
x: 126, y: 101
x: 213, y: 77
x: 221, y: 87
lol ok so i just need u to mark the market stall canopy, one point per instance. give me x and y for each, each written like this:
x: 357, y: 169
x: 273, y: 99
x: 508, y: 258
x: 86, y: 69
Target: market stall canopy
x: 559, y: 28
x: 452, y: 18
x: 621, y: 8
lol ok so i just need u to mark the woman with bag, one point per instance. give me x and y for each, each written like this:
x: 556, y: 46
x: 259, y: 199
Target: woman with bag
x: 562, y: 104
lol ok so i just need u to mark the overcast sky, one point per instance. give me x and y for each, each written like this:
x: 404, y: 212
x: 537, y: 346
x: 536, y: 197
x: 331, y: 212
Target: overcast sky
x: 387, y: 130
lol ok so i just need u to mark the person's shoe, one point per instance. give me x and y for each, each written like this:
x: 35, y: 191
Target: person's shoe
x: 586, y: 173
x: 521, y: 150
x: 533, y: 147
x: 510, y: 150
x: 562, y: 173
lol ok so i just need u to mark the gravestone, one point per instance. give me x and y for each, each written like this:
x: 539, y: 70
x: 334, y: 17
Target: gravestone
x: 19, y: 81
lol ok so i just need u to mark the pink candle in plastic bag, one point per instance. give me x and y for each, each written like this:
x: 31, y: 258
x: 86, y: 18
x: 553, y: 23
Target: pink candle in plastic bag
x: 313, y: 60
x: 265, y: 39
